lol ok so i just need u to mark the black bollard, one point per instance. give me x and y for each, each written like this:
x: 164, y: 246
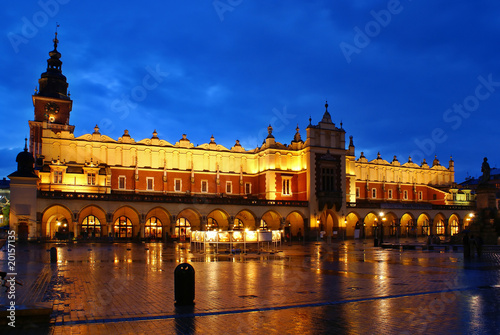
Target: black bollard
x: 184, y: 285
x: 53, y: 255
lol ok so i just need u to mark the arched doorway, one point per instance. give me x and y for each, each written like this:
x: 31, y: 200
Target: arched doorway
x: 187, y: 220
x: 295, y: 222
x: 126, y: 223
x: 57, y: 223
x: 157, y: 225
x: 370, y: 224
x: 92, y: 223
x: 408, y: 226
x: 353, y: 226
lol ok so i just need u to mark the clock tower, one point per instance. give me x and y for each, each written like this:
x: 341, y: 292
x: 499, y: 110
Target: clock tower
x: 51, y: 101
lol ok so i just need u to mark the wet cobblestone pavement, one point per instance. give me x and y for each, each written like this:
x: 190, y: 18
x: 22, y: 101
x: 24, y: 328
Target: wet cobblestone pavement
x: 315, y: 288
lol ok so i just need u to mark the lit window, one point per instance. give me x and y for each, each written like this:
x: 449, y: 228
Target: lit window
x: 248, y: 188
x: 182, y: 229
x: 454, y: 227
x: 91, y: 226
x: 121, y: 182
x: 150, y: 183
x: 440, y: 228
x: 91, y: 178
x: 229, y: 187
x: 123, y: 227
x: 58, y: 174
x: 204, y: 186
x: 287, y: 186
x: 153, y: 228
x: 177, y: 185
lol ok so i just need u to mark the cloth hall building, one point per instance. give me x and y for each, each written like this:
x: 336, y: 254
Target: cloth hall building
x: 94, y: 186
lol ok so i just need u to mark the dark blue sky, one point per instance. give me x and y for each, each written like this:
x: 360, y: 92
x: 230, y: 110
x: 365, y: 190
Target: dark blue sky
x: 419, y: 78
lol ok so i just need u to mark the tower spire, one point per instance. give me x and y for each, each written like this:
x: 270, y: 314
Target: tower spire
x: 52, y: 82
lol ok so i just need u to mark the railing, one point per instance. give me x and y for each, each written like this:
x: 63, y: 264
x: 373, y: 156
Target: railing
x: 185, y: 199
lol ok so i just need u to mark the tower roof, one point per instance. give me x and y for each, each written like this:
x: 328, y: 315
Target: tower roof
x: 52, y: 82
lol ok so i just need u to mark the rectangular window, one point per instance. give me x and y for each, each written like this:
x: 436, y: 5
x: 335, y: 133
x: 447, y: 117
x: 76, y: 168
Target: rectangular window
x: 329, y: 178
x: 204, y: 186
x: 358, y: 192
x: 248, y: 188
x: 287, y: 186
x: 405, y: 194
x: 374, y: 193
x: 58, y: 177
x: 177, y: 185
x: 91, y: 178
x: 150, y: 185
x: 389, y: 194
x: 420, y: 195
x: 229, y: 187
x: 434, y: 196
x: 122, y: 182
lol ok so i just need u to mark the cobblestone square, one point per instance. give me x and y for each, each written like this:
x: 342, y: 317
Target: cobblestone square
x: 313, y: 288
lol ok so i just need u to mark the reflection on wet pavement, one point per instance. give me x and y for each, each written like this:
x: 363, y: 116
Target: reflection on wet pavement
x: 311, y: 288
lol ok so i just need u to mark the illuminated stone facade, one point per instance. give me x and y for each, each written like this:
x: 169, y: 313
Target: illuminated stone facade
x: 94, y: 186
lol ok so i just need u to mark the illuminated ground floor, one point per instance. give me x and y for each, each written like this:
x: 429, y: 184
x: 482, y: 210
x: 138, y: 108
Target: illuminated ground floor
x: 66, y: 217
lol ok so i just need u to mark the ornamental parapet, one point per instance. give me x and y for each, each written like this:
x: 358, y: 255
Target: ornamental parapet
x: 185, y: 199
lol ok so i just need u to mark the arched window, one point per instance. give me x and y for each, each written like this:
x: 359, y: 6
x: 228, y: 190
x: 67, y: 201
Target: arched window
x: 91, y: 227
x: 123, y: 227
x: 454, y: 227
x: 182, y: 228
x: 153, y: 228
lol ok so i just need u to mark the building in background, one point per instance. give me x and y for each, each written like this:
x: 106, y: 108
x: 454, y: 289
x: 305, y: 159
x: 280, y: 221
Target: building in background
x: 94, y: 186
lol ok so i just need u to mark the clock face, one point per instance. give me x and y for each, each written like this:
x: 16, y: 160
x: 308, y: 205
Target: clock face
x: 51, y: 109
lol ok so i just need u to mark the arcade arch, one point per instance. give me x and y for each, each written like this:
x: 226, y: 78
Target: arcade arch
x: 244, y: 220
x: 270, y: 220
x: 57, y: 222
